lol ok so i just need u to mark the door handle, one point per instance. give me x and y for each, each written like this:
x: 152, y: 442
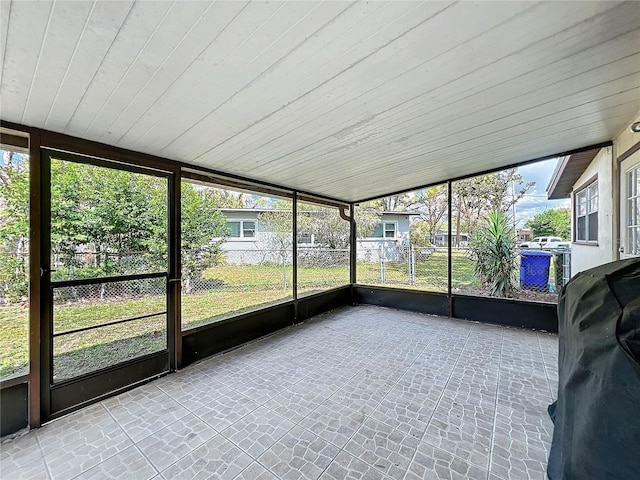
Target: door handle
x: 174, y: 280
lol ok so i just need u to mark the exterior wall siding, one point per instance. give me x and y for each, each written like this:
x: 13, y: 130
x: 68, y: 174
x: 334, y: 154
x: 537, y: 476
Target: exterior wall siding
x: 585, y: 256
x: 240, y: 250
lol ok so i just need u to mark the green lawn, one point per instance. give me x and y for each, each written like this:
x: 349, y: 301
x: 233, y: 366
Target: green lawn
x: 14, y: 339
x: 239, y: 288
x: 431, y: 274
x: 431, y: 271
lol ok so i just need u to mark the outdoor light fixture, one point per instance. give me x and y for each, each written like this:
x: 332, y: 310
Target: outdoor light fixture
x: 635, y: 127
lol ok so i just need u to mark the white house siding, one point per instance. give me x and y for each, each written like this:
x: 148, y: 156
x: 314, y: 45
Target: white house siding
x: 626, y: 139
x: 259, y: 248
x: 370, y: 249
x: 585, y: 256
x: 252, y: 250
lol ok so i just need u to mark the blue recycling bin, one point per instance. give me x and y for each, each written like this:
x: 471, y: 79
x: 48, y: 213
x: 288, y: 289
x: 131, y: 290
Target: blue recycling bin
x: 534, y: 270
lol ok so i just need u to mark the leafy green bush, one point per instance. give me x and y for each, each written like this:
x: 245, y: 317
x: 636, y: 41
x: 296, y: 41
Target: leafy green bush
x: 493, y: 251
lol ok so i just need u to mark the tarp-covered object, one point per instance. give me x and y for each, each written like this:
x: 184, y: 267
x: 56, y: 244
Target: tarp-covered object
x: 597, y: 414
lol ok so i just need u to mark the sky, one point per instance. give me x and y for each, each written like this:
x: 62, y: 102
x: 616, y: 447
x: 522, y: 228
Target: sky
x: 535, y: 201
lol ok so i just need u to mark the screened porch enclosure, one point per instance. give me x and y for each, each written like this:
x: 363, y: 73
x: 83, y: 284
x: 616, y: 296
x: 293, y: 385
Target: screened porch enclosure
x: 286, y: 239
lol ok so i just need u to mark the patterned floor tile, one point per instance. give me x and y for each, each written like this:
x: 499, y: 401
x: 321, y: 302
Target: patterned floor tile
x: 327, y: 380
x: 299, y: 454
x: 136, y: 399
x: 129, y: 463
x: 255, y: 471
x: 480, y: 390
x: 434, y: 464
x: 193, y: 394
x: 170, y: 444
x: 365, y: 390
x: 81, y: 426
x: 512, y: 460
x: 85, y: 453
x: 525, y: 426
x: 140, y: 420
x: 226, y: 410
x: 405, y: 415
x: 386, y: 449
x: 346, y: 467
x: 20, y: 458
x: 257, y: 431
x: 218, y: 458
x: 294, y: 406
x: 264, y: 389
x: 462, y: 429
x: 333, y: 422
x: 520, y: 390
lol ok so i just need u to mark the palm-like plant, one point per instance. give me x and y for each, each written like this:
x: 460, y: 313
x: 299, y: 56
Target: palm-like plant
x: 493, y: 250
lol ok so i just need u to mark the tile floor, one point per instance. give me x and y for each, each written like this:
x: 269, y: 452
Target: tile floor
x: 359, y: 393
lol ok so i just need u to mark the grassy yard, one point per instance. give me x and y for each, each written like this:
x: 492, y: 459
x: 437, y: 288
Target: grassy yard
x: 431, y: 271
x: 14, y: 340
x: 79, y: 353
x: 239, y: 288
x: 431, y: 274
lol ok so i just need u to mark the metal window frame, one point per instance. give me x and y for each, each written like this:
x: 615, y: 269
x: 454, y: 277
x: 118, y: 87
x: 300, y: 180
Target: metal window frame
x: 40, y: 137
x: 56, y: 396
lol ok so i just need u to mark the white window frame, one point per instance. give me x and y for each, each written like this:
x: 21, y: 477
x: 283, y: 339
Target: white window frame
x: 589, y: 196
x: 632, y: 197
x: 384, y: 231
x: 242, y: 230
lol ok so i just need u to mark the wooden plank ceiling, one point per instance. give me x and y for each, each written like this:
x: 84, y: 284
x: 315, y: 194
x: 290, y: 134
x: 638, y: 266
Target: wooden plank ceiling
x: 346, y: 99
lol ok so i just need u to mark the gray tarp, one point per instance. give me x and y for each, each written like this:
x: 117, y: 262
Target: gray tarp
x: 597, y: 414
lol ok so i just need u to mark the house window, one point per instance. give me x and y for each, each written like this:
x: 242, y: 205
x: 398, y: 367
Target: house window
x: 241, y: 229
x: 305, y: 238
x: 586, y: 222
x: 384, y: 230
x: 633, y: 211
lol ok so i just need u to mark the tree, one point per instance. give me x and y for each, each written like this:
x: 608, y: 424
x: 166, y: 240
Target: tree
x: 204, y: 229
x: 14, y: 225
x: 473, y: 198
x: 391, y: 203
x: 326, y: 224
x: 116, y: 218
x: 420, y: 233
x: 432, y: 204
x: 555, y: 222
x: 493, y: 251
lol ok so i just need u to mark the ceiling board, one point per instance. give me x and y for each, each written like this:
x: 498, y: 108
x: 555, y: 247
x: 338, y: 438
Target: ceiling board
x: 399, y: 80
x: 344, y: 99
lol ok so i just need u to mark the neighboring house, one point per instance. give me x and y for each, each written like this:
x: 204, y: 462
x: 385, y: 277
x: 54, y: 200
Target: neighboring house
x: 604, y: 187
x: 524, y: 234
x: 250, y: 241
x: 442, y: 238
x: 390, y: 233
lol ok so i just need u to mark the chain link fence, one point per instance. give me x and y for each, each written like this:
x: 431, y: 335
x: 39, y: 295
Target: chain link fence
x: 322, y: 268
x: 83, y: 265
x: 267, y: 269
x: 230, y: 270
x: 423, y: 268
x: 544, y: 271
x: 92, y: 265
x: 537, y: 275
x: 111, y: 291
